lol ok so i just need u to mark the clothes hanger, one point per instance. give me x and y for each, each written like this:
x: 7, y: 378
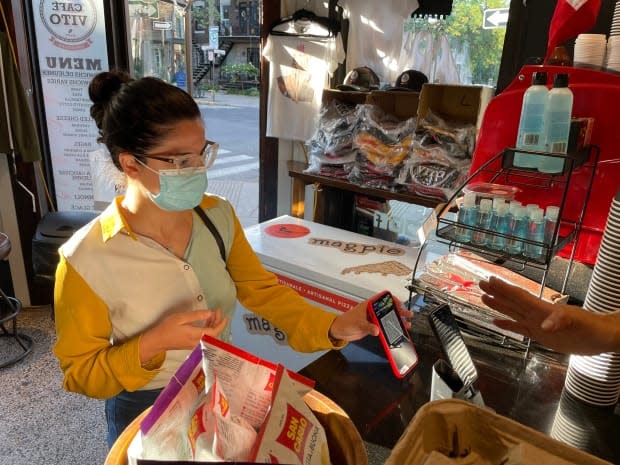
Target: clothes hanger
x: 441, y: 8
x: 299, y: 22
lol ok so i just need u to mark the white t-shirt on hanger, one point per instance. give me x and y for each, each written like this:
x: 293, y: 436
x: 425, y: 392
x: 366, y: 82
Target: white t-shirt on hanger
x: 418, y: 52
x: 376, y: 33
x: 300, y: 67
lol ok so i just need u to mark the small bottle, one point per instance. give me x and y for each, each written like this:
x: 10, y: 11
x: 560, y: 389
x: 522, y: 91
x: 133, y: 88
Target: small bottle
x: 483, y: 222
x: 518, y: 230
x: 501, y: 225
x: 529, y: 207
x: 467, y: 215
x: 497, y: 201
x: 532, y: 122
x: 552, y: 214
x: 535, y: 232
x: 514, y: 204
x: 557, y: 124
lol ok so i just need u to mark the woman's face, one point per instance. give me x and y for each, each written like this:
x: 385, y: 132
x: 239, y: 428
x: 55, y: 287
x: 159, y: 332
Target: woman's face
x: 184, y: 141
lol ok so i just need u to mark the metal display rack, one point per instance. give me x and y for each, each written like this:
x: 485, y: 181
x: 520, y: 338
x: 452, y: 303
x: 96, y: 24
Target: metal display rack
x: 478, y: 320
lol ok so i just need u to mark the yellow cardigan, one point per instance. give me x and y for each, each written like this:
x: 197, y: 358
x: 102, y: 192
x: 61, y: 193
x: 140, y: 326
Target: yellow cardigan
x: 111, y: 285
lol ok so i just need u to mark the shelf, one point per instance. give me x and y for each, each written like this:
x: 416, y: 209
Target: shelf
x: 446, y: 231
x: 572, y: 160
x: 296, y: 171
x: 500, y: 169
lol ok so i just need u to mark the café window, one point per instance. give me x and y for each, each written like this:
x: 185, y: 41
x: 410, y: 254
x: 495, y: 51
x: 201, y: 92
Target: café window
x: 464, y: 47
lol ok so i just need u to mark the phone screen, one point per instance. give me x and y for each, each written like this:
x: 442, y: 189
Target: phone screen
x: 389, y: 320
x: 398, y: 346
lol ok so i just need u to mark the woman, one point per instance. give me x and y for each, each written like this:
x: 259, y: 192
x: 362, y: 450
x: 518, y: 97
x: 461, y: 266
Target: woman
x: 138, y: 286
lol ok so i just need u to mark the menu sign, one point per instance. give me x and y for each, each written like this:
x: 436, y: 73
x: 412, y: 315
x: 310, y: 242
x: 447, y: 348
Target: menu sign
x: 71, y: 43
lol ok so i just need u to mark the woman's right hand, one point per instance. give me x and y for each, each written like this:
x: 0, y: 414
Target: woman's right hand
x: 180, y: 331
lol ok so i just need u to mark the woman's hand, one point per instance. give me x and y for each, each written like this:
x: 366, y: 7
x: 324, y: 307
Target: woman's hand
x: 181, y: 331
x: 353, y: 324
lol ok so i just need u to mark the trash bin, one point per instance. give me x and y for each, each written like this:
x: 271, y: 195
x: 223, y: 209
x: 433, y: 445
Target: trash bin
x: 52, y: 231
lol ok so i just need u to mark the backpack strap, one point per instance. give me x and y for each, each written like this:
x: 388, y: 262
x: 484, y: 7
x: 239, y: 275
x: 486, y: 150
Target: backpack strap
x: 216, y: 235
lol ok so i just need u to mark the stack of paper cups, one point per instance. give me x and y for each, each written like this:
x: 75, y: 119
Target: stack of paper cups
x: 570, y: 425
x: 590, y: 50
x: 596, y: 379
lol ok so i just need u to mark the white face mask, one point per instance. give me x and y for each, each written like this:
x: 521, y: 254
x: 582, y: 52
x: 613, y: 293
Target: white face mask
x: 179, y: 189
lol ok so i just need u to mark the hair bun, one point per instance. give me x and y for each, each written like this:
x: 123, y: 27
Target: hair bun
x: 105, y: 85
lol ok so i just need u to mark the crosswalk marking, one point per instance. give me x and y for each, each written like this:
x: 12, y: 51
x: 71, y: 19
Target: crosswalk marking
x: 233, y: 159
x: 218, y: 173
x: 230, y: 165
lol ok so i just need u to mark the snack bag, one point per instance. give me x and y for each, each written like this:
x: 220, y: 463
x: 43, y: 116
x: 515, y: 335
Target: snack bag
x: 163, y: 432
x: 291, y: 433
x: 217, y: 435
x: 245, y: 379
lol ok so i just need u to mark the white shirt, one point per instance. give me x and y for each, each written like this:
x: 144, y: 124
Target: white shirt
x: 375, y: 34
x: 300, y: 67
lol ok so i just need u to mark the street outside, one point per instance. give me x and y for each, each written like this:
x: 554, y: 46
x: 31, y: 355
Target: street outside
x: 232, y: 122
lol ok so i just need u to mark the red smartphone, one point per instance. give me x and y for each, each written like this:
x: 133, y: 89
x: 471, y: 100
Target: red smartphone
x: 395, y: 339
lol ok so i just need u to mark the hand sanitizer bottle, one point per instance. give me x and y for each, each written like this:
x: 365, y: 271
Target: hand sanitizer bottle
x: 500, y: 224
x: 557, y: 124
x: 518, y: 230
x: 535, y: 232
x: 468, y: 214
x: 483, y: 222
x: 532, y: 122
x: 552, y: 214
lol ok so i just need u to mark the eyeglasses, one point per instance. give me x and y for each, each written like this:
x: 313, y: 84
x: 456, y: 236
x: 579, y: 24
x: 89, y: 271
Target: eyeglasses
x: 205, y: 158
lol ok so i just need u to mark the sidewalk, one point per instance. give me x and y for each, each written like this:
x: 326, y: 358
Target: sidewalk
x: 231, y: 100
x: 242, y: 195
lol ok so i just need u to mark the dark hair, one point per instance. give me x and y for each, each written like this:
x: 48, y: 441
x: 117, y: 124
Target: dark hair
x: 133, y: 114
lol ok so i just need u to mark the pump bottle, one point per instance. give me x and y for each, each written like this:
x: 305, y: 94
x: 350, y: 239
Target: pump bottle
x: 532, y: 122
x: 557, y: 124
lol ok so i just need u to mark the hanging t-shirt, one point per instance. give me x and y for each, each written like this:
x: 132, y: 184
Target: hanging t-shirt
x: 418, y: 52
x: 433, y: 56
x: 375, y: 34
x: 300, y: 67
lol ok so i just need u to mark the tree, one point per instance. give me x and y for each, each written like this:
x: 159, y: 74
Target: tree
x: 464, y: 26
x: 206, y: 13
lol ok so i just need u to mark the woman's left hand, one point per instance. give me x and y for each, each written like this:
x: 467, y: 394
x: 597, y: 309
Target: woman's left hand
x: 353, y: 324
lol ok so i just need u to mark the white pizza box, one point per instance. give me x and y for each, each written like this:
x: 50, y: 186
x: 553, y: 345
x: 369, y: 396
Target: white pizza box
x: 352, y: 263
x: 331, y: 268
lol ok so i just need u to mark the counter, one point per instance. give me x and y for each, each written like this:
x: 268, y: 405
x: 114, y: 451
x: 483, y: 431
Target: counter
x: 526, y: 389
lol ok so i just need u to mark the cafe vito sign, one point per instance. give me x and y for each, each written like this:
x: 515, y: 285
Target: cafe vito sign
x: 70, y: 23
x: 72, y: 49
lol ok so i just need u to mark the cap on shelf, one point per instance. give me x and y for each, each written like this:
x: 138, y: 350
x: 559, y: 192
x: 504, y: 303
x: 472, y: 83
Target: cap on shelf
x: 411, y: 80
x: 360, y: 79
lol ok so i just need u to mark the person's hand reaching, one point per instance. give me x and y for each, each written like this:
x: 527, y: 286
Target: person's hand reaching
x: 565, y: 328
